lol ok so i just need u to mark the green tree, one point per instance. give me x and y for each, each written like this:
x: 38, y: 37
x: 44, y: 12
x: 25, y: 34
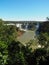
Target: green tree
x: 44, y: 34
x: 7, y: 35
x: 15, y: 54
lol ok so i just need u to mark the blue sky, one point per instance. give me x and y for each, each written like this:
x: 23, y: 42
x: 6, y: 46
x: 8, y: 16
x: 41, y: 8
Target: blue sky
x: 24, y: 9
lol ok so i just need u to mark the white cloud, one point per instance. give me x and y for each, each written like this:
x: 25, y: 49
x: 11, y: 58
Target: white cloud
x: 26, y: 19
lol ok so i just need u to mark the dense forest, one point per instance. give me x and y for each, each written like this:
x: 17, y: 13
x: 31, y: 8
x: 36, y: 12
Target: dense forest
x: 12, y: 52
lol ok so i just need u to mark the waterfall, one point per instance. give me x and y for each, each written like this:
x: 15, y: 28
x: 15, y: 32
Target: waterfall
x: 26, y: 26
x: 37, y: 27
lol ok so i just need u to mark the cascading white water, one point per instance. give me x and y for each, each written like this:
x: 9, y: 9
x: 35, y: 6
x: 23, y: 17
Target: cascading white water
x: 26, y: 26
x: 37, y: 26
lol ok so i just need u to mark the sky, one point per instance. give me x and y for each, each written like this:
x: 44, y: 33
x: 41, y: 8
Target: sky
x: 24, y: 9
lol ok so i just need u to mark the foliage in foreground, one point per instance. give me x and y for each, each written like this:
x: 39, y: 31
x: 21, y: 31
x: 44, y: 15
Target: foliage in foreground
x: 14, y: 53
